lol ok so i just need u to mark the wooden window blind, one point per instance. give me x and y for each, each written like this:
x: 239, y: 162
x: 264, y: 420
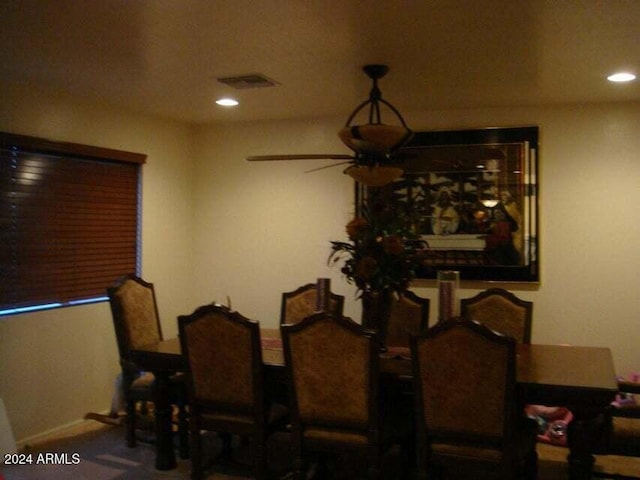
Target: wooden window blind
x: 69, y: 221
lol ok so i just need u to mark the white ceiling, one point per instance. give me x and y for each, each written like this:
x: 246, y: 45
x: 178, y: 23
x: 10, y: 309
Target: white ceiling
x: 164, y: 56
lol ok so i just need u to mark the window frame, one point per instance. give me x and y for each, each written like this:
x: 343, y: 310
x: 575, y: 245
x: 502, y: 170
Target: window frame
x: 15, y: 150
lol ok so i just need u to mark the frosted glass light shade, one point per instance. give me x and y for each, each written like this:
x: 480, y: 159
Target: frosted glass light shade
x: 375, y: 175
x: 374, y: 137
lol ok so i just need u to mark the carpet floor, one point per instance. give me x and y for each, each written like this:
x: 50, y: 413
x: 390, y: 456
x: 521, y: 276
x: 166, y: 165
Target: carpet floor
x: 98, y: 452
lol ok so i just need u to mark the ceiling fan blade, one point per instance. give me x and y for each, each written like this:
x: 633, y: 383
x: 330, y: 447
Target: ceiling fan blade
x: 367, y: 148
x: 327, y: 166
x: 328, y: 156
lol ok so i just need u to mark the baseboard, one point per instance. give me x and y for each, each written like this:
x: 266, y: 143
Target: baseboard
x: 7, y: 441
x: 59, y: 431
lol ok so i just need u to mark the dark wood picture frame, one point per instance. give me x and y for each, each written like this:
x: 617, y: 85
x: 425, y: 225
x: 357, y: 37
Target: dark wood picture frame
x: 473, y: 198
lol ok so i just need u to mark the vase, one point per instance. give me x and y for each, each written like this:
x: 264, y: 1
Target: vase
x: 376, y: 310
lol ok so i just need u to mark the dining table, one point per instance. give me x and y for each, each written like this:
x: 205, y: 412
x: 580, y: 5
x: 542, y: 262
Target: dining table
x: 581, y: 378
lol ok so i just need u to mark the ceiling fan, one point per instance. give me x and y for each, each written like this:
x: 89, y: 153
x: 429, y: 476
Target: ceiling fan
x: 375, y: 159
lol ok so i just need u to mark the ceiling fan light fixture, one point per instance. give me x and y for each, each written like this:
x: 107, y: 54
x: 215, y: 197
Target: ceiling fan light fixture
x: 375, y: 175
x: 374, y: 163
x: 375, y: 137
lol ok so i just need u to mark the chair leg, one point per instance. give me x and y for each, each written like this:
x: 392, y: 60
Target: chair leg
x: 183, y: 432
x: 260, y: 457
x: 196, y: 452
x: 409, y: 465
x: 130, y: 432
x: 431, y: 472
x: 420, y: 460
x: 318, y: 468
x: 299, y: 468
x: 531, y: 466
x: 226, y: 454
x: 373, y: 470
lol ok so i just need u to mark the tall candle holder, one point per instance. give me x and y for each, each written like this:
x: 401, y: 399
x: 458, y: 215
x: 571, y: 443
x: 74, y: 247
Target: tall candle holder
x: 448, y: 283
x: 323, y: 295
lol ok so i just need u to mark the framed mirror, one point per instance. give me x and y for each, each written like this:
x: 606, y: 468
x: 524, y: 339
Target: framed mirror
x: 471, y: 196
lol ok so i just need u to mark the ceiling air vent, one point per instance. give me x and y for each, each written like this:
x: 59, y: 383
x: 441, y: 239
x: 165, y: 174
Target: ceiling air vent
x: 254, y: 80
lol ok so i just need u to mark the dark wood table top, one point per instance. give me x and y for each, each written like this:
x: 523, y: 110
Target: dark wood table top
x: 566, y: 375
x: 549, y: 374
x: 581, y: 378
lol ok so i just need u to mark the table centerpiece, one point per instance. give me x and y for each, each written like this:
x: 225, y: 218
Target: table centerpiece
x: 381, y: 256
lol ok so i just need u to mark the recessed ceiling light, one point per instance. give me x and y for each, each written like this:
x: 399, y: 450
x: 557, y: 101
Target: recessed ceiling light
x: 227, y: 102
x: 621, y: 77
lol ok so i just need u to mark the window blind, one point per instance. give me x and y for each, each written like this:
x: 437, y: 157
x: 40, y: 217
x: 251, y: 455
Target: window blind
x: 69, y: 221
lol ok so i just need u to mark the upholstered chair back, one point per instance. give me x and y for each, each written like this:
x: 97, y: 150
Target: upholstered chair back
x: 467, y: 413
x: 333, y: 362
x: 466, y: 380
x: 409, y: 316
x: 135, y: 313
x: 502, y: 311
x: 223, y: 360
x: 333, y: 371
x: 223, y: 354
x: 302, y: 302
x: 137, y: 323
x: 625, y: 420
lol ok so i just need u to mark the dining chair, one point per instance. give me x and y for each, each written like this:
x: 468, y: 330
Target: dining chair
x: 136, y: 322
x: 502, y: 311
x: 333, y: 370
x: 467, y: 414
x: 625, y: 415
x: 623, y: 426
x: 302, y: 302
x: 225, y: 379
x: 409, y: 316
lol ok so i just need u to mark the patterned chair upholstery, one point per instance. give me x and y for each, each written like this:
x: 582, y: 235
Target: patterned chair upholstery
x: 409, y: 316
x: 625, y: 438
x: 302, y: 302
x: 623, y: 426
x: 137, y: 323
x: 466, y: 406
x: 223, y: 354
x: 332, y: 364
x: 502, y: 311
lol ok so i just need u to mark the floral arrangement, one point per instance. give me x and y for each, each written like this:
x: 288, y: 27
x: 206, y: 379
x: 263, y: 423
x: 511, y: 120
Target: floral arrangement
x: 383, y: 252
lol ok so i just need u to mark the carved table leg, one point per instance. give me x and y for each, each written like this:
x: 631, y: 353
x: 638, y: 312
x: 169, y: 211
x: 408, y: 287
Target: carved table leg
x: 584, y: 438
x: 165, y: 457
